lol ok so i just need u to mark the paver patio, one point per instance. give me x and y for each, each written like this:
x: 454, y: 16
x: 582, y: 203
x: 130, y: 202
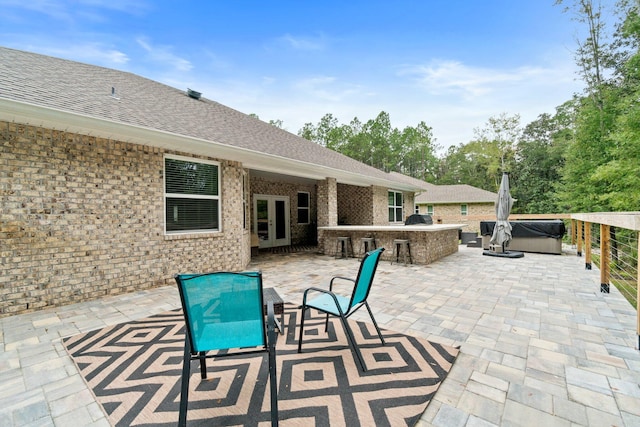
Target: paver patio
x: 540, y: 345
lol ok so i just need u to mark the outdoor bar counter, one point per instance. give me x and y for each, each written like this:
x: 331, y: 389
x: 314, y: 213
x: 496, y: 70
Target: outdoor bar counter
x: 429, y: 243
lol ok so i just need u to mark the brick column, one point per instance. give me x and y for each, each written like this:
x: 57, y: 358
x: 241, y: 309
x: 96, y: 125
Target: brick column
x: 327, y: 202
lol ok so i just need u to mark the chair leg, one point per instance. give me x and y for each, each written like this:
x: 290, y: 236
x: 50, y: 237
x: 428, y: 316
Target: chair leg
x: 302, y: 311
x: 352, y: 344
x: 203, y: 365
x: 274, y: 388
x: 273, y: 378
x: 184, y: 391
x: 374, y: 322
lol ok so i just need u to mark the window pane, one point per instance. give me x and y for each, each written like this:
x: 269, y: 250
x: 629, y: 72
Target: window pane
x: 303, y: 216
x: 398, y: 214
x: 391, y: 198
x: 191, y: 214
x: 281, y: 229
x: 183, y: 177
x: 398, y: 199
x: 303, y: 200
x: 391, y: 215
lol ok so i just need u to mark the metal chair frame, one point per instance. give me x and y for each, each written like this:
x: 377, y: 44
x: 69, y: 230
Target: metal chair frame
x: 330, y: 303
x: 191, y: 354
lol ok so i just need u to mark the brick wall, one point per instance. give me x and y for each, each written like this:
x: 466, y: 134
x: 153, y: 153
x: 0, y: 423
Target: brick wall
x: 355, y: 205
x: 327, y: 212
x: 380, y: 206
x: 82, y: 217
x: 426, y: 246
x: 450, y: 214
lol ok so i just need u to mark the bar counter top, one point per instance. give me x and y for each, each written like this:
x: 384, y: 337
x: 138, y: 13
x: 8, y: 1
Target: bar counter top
x: 399, y: 227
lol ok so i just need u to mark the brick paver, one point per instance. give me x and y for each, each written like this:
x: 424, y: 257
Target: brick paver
x: 540, y: 345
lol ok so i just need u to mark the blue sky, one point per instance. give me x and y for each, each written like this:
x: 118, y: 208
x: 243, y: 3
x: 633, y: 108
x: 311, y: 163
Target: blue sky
x: 450, y: 63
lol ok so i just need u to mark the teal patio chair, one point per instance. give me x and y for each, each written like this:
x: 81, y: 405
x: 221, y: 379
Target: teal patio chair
x: 340, y: 306
x: 225, y: 311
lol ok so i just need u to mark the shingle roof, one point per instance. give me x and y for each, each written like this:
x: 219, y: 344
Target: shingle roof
x: 86, y: 90
x: 423, y: 185
x: 462, y: 193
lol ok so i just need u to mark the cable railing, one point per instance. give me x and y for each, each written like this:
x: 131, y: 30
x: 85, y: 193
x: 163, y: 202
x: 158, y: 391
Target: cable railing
x: 610, y: 241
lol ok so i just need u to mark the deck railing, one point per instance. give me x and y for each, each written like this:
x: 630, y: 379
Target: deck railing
x: 610, y: 241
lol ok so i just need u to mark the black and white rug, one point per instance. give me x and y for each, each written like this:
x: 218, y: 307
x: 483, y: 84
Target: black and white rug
x: 134, y: 371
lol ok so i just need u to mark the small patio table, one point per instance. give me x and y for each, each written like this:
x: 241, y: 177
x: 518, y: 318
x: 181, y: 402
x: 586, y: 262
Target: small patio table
x: 271, y: 295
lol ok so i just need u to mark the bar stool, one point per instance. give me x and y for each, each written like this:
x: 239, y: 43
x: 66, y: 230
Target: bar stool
x: 367, y: 244
x: 343, y: 244
x: 404, y: 246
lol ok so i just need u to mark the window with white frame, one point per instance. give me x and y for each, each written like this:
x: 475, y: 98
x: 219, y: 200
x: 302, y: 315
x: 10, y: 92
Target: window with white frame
x: 395, y: 206
x: 416, y: 209
x: 429, y: 209
x: 464, y: 210
x: 192, y: 195
x: 303, y: 207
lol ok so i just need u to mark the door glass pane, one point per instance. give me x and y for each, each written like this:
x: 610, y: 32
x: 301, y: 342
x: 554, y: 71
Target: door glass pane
x: 262, y: 213
x: 281, y: 229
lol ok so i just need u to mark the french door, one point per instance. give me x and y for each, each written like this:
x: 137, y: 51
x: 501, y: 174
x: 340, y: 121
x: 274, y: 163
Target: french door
x: 271, y: 220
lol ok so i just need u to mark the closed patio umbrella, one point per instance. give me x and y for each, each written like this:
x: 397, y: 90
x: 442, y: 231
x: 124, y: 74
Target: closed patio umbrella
x: 502, y: 231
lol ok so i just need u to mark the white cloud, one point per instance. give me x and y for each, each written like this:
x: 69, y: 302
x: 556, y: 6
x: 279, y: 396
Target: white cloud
x: 326, y: 88
x: 163, y: 54
x: 303, y: 43
x: 441, y: 77
x: 90, y: 53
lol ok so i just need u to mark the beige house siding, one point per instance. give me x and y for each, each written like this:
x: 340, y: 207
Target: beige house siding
x: 449, y: 213
x: 83, y: 217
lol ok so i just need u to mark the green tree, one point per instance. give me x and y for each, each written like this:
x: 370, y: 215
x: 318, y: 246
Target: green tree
x: 414, y: 149
x: 620, y: 174
x: 480, y: 163
x: 592, y: 145
x: 378, y: 144
x: 540, y: 158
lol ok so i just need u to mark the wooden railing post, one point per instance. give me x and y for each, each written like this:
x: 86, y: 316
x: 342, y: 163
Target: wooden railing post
x: 605, y: 243
x: 587, y: 245
x: 579, y: 234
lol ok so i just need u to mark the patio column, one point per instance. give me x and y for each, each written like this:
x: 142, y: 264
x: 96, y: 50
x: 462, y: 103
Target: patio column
x: 327, y: 203
x: 605, y: 260
x: 587, y: 245
x: 579, y: 234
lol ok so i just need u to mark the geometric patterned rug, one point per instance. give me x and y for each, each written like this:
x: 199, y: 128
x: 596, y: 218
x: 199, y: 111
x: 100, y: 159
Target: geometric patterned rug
x: 134, y: 371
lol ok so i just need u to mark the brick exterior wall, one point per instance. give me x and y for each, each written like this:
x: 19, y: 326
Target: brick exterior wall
x: 450, y: 214
x: 426, y: 247
x: 82, y: 217
x: 300, y: 233
x: 355, y: 205
x: 327, y: 203
x: 380, y: 206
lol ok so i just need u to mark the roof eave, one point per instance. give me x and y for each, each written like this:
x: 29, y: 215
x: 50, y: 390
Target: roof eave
x: 51, y: 118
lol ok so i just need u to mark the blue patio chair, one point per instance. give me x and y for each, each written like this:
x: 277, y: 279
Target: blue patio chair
x: 336, y: 305
x: 224, y: 311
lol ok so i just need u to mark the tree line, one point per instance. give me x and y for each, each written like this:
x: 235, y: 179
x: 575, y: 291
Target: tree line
x: 583, y: 158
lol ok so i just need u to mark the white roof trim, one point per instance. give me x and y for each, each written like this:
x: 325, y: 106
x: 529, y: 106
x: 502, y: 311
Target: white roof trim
x: 51, y: 118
